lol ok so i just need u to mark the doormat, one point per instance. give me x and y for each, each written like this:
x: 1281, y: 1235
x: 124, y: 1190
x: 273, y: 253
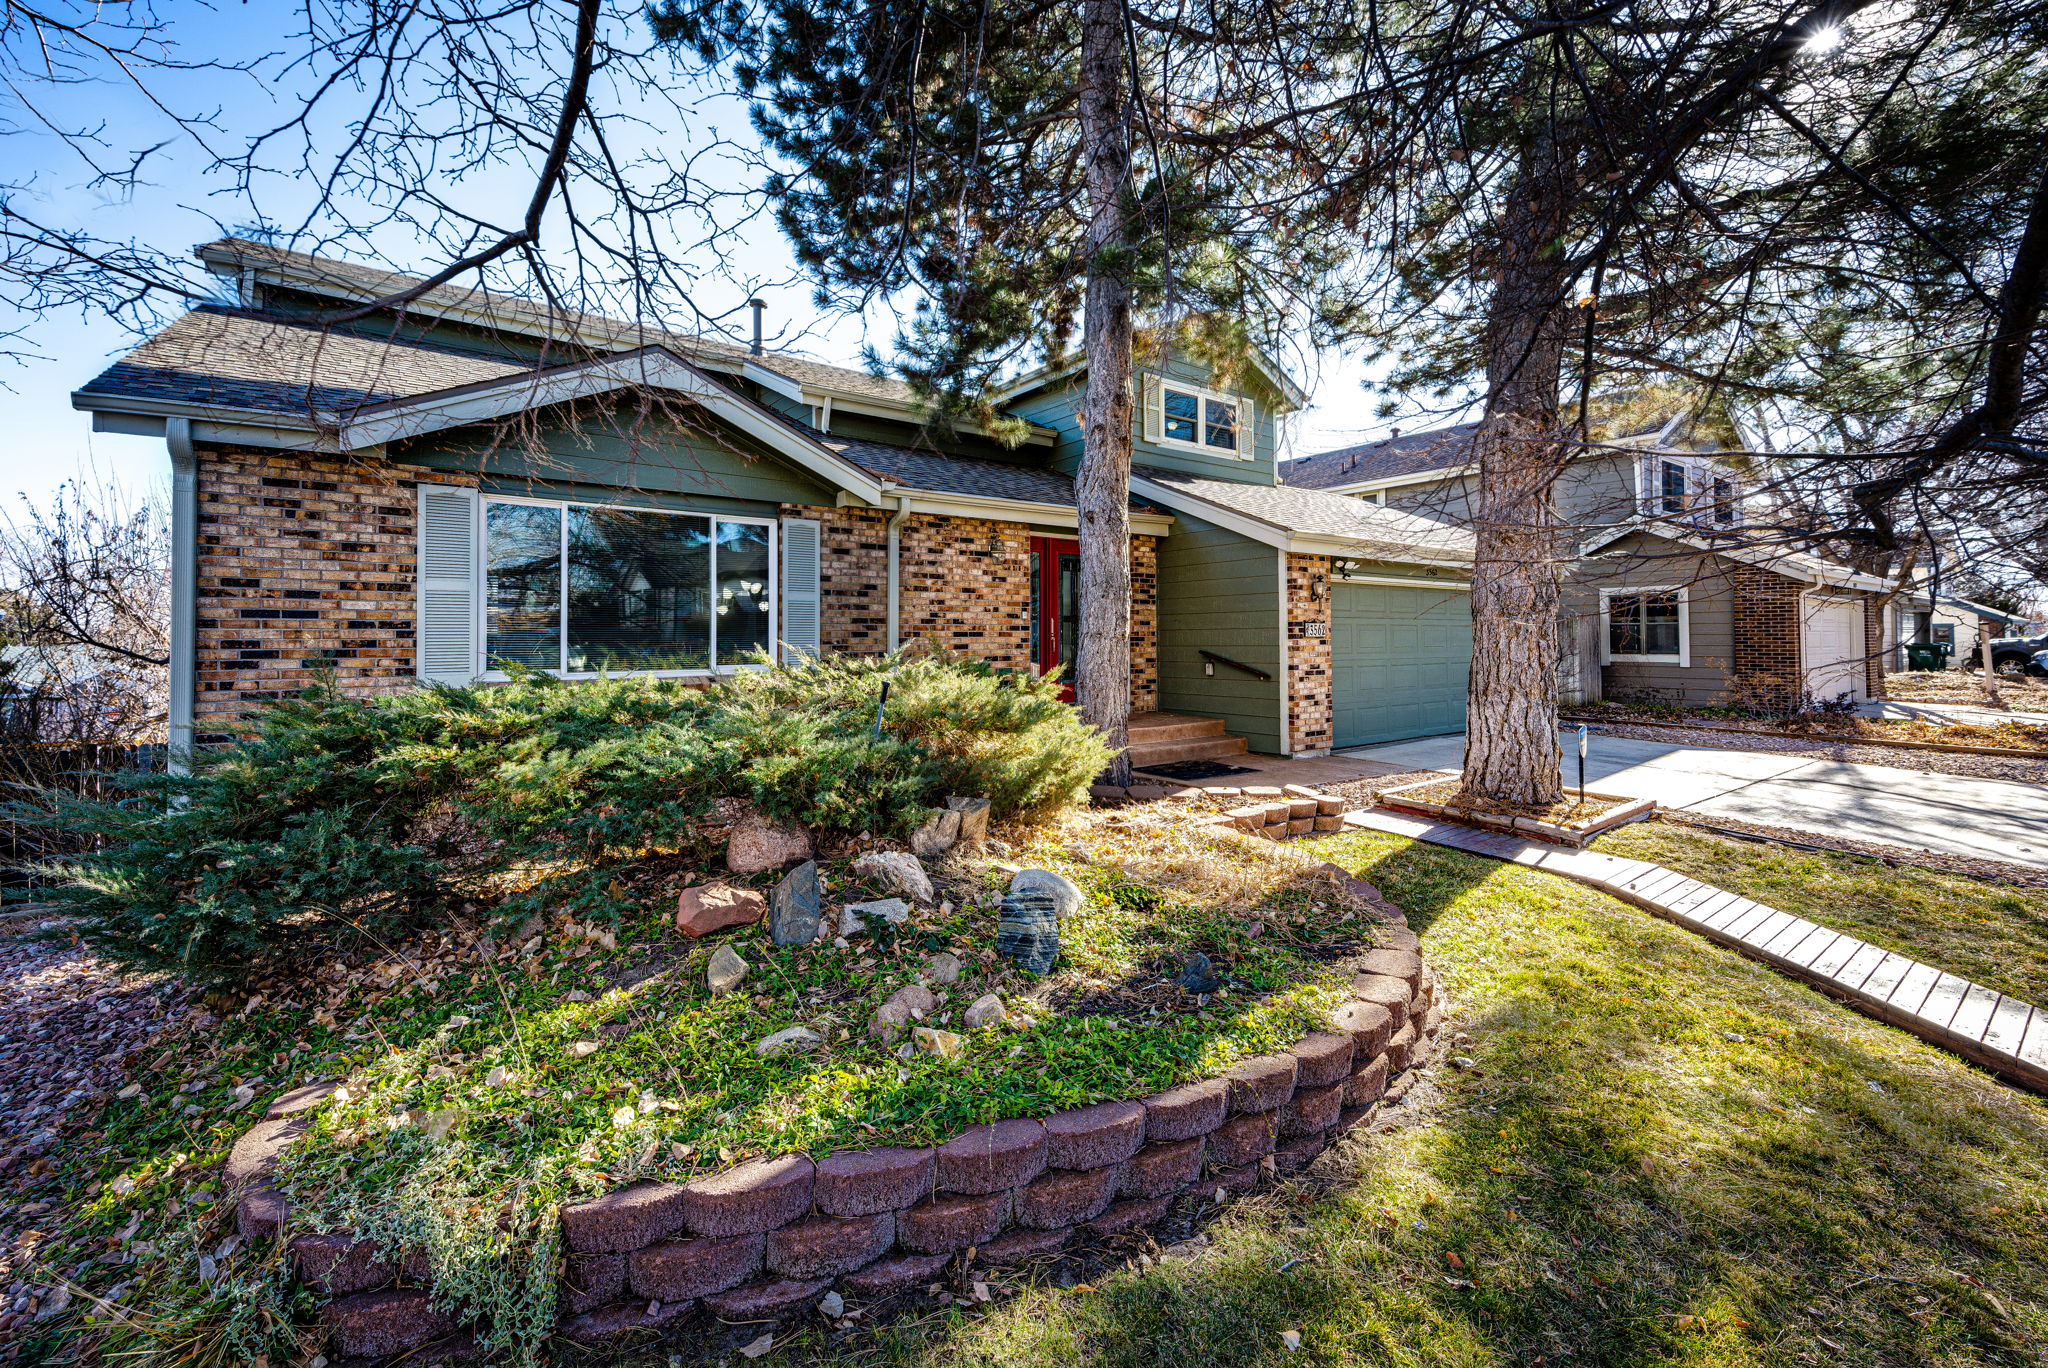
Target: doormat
x: 1187, y: 771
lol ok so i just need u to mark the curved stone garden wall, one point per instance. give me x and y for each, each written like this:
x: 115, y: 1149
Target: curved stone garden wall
x: 773, y: 1236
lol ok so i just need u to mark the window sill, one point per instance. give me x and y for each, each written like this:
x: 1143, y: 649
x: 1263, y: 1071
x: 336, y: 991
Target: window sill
x: 1681, y: 661
x: 1215, y: 453
x: 500, y: 677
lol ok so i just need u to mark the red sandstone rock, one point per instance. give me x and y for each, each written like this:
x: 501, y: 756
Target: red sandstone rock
x: 992, y: 1158
x: 384, y: 1322
x: 827, y: 1246
x: 632, y: 1218
x: 682, y: 1270
x: 1090, y: 1137
x: 1160, y: 1170
x: 749, y: 1199
x: 864, y: 1182
x: 338, y: 1265
x: 713, y: 907
x: 947, y: 1223
x: 765, y: 1301
x: 1064, y: 1197
x: 759, y: 843
x: 894, y: 1274
x: 1261, y: 1083
x: 1183, y: 1112
x: 1322, y: 1059
x: 1243, y: 1139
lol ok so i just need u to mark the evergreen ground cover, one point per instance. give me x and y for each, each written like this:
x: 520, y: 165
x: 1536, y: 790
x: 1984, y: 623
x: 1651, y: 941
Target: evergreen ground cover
x: 1661, y: 1154
x: 492, y: 1079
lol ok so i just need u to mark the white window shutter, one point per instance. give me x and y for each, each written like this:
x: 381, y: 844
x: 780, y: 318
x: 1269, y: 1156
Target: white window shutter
x: 802, y: 600
x: 446, y: 632
x: 1247, y: 430
x: 1155, y: 409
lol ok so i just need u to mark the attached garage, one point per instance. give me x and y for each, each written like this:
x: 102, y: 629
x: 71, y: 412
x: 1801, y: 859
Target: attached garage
x: 1831, y: 648
x: 1399, y: 660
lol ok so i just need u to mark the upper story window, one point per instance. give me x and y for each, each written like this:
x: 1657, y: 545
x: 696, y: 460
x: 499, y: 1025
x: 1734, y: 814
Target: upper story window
x: 1208, y: 421
x: 1690, y: 487
x: 1671, y: 490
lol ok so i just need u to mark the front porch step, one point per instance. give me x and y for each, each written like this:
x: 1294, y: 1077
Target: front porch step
x: 1159, y: 738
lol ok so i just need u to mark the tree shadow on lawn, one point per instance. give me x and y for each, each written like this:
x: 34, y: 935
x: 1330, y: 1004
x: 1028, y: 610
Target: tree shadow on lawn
x: 1662, y: 1154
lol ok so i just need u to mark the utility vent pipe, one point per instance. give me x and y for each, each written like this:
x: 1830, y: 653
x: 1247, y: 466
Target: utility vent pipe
x: 758, y: 306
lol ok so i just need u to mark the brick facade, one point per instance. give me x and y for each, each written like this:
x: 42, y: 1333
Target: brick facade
x: 301, y: 559
x: 1876, y: 646
x: 1310, y: 688
x: 1768, y: 625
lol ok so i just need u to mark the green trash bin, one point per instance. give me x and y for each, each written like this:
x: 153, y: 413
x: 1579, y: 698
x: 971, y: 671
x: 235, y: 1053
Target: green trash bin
x: 1927, y: 655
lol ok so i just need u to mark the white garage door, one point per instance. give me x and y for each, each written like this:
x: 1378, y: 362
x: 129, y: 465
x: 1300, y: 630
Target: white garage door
x: 1833, y: 649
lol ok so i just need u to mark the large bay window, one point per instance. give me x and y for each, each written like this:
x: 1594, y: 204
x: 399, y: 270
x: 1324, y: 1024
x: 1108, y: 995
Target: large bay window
x: 579, y: 589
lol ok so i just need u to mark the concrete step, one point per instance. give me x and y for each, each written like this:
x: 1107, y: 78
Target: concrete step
x: 1192, y: 748
x: 1151, y: 728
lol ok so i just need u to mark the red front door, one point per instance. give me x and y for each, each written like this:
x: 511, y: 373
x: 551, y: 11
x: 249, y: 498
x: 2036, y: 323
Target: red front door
x: 1056, y: 607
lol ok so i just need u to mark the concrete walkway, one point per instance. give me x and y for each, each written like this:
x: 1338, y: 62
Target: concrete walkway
x: 1987, y: 819
x: 1974, y: 714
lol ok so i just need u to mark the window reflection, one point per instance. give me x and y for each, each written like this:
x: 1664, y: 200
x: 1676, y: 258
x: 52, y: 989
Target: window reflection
x: 523, y: 586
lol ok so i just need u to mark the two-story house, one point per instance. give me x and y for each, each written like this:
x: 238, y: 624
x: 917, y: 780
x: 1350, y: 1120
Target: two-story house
x: 478, y: 483
x: 1669, y: 596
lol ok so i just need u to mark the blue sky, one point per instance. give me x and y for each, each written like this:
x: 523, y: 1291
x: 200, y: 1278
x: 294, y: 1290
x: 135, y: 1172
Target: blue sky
x: 178, y: 206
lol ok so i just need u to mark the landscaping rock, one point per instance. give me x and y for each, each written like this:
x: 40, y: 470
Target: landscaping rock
x: 1198, y: 975
x: 992, y: 1158
x: 1186, y: 1111
x: 853, y: 917
x: 256, y: 1153
x: 987, y: 1010
x: 1390, y: 993
x: 725, y: 972
x: 384, y: 1322
x: 884, y: 1276
x: 760, y: 843
x: 791, y: 1040
x: 590, y: 1281
x: 867, y: 1182
x: 765, y: 1301
x: 1404, y: 965
x: 679, y: 1270
x: 1028, y: 929
x: 942, y: 968
x: 749, y: 1199
x: 933, y: 1041
x: 630, y: 1218
x: 1311, y: 1110
x: 899, y: 1011
x: 827, y: 1246
x: 947, y: 1223
x: 936, y: 835
x: 1368, y: 1085
x: 1296, y: 1155
x: 973, y: 820
x: 713, y: 907
x: 1367, y: 1023
x: 1093, y: 1137
x: 1066, y: 897
x: 794, y: 907
x: 895, y: 872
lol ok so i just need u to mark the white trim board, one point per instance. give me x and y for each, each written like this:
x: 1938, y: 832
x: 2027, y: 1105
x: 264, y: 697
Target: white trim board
x: 1681, y: 661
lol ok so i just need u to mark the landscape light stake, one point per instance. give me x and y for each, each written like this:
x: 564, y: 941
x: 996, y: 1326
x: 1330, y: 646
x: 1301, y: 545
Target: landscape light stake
x: 880, y: 704
x: 1582, y: 767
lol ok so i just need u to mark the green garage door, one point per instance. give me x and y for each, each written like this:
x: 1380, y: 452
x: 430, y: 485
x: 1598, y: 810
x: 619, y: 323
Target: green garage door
x: 1399, y: 660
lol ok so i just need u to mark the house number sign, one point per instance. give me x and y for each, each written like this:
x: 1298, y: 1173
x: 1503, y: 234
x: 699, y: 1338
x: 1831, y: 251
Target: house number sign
x: 1318, y: 629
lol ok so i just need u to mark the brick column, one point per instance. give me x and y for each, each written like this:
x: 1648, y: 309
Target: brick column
x: 1876, y: 649
x: 1767, y: 628
x: 1310, y: 724
x: 1144, y: 624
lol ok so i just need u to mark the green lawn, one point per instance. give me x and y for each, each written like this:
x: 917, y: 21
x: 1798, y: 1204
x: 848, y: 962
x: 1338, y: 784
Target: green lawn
x: 1664, y: 1155
x: 1988, y: 932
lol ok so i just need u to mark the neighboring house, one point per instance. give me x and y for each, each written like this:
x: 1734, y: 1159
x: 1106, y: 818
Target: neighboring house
x: 1668, y: 600
x: 1959, y: 623
x: 483, y: 482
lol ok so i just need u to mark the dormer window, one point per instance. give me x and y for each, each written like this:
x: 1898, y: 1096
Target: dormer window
x: 1191, y: 418
x: 1671, y: 487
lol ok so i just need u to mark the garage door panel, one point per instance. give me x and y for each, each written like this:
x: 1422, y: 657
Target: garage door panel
x: 1400, y: 660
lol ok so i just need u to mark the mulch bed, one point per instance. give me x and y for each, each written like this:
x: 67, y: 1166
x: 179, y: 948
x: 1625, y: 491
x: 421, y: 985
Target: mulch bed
x: 1451, y: 793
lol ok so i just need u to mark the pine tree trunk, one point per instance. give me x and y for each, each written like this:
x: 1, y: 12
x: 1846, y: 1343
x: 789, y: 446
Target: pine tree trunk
x: 1511, y: 750
x: 1102, y: 672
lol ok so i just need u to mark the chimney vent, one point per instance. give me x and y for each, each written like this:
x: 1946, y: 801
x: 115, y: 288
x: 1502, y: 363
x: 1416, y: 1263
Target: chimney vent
x: 1395, y: 436
x: 757, y: 305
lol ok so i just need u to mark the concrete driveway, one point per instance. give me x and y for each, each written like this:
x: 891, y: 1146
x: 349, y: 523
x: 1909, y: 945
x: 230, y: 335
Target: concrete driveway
x: 1985, y: 818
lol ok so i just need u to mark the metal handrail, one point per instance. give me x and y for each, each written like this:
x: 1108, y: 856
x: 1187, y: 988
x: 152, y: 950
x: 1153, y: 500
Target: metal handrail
x: 1254, y: 671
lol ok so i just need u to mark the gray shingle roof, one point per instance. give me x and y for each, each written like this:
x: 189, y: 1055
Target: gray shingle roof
x: 224, y: 359
x: 960, y: 474
x: 1414, y: 453
x: 1375, y: 529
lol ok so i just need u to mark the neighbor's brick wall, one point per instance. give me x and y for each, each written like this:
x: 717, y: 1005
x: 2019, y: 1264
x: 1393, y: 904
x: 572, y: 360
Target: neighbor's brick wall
x: 1767, y: 629
x: 1310, y: 725
x: 301, y: 558
x: 1876, y: 648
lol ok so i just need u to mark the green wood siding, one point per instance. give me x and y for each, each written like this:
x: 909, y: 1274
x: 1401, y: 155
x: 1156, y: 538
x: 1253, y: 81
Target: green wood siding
x: 1219, y: 591
x: 1643, y: 560
x: 1399, y: 662
x: 1058, y: 407
x: 585, y: 447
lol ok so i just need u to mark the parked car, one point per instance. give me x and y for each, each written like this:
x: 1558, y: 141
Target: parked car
x: 2009, y: 655
x: 2037, y: 668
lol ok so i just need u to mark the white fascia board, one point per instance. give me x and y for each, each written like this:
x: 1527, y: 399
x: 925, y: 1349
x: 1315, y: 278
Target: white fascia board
x: 1228, y: 519
x: 773, y: 380
x: 1406, y: 553
x: 240, y: 427
x: 1399, y: 481
x: 815, y: 395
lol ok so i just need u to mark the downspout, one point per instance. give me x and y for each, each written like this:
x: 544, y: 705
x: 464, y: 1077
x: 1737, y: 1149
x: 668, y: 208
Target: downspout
x: 895, y: 525
x: 184, y: 588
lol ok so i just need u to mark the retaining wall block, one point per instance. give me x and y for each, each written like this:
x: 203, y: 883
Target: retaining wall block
x: 384, y: 1322
x: 681, y: 1270
x: 1186, y: 1111
x: 1064, y: 1197
x: 1261, y: 1083
x: 1016, y: 1246
x: 827, y: 1246
x: 896, y: 1273
x: 622, y: 1318
x: 994, y: 1158
x: 631, y: 1218
x: 869, y: 1182
x: 1390, y: 993
x: 260, y: 1213
x: 1091, y: 1137
x: 1367, y: 1023
x: 1128, y: 1216
x: 1400, y: 1048
x: 591, y: 1280
x: 1163, y: 1169
x: 1298, y: 1154
x: 338, y: 1264
x: 1311, y: 1111
x: 256, y: 1153
x: 766, y: 1300
x: 949, y: 1222
x: 1322, y: 1059
x: 1368, y: 1085
x: 1404, y: 965
x: 749, y: 1199
x: 1243, y: 1139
